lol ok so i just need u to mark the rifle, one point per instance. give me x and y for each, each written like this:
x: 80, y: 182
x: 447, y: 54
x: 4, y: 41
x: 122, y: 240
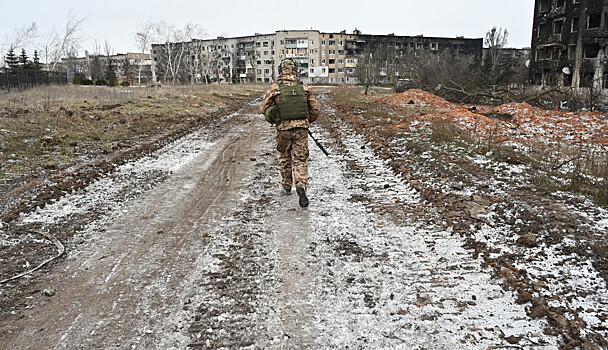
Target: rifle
x: 318, y: 144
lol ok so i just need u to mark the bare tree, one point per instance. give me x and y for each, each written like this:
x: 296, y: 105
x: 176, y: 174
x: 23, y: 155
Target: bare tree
x: 22, y: 36
x: 368, y: 67
x: 56, y: 44
x: 495, y: 41
x: 174, y: 49
x: 143, y: 39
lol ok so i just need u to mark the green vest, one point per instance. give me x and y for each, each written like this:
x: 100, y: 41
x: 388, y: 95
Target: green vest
x: 293, y: 103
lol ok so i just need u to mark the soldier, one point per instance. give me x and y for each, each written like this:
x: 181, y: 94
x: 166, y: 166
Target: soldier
x: 291, y: 106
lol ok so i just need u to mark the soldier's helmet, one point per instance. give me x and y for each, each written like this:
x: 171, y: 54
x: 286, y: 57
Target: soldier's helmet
x: 288, y: 66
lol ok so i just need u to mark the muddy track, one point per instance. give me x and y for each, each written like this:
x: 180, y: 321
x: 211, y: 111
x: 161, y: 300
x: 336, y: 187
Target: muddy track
x: 198, y: 247
x: 133, y: 272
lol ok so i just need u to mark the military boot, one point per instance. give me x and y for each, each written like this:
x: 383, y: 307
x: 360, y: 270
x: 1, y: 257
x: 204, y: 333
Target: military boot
x: 302, y: 194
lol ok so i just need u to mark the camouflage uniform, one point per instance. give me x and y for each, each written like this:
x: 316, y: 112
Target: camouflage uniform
x: 292, y: 135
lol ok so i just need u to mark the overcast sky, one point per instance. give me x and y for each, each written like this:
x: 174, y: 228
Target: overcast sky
x: 116, y: 21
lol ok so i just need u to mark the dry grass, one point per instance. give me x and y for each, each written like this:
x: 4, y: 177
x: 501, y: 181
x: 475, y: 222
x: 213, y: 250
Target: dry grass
x: 49, y: 128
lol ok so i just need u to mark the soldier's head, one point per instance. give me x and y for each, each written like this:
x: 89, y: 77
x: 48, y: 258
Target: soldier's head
x: 288, y: 66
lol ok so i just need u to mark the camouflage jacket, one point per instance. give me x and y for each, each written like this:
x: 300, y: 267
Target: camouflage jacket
x: 274, y: 94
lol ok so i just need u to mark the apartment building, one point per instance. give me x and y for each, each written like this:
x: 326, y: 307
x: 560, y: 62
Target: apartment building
x: 321, y: 57
x: 570, y: 44
x: 127, y: 67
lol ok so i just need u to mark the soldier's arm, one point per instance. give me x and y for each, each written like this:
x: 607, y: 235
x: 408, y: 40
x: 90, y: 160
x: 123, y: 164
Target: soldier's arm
x: 269, y: 97
x: 313, y: 105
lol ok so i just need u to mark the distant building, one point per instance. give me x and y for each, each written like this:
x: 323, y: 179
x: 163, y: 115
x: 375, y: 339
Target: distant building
x: 127, y: 67
x: 322, y: 57
x: 569, y: 44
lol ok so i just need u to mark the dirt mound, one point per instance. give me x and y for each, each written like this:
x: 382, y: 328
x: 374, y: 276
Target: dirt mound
x: 419, y: 98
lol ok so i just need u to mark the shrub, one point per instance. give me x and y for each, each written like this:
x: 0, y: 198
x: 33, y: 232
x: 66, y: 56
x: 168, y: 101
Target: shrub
x: 86, y: 82
x: 125, y: 83
x: 101, y: 82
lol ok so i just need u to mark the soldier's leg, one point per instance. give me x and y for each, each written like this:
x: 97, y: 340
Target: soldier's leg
x: 285, y: 164
x: 299, y: 157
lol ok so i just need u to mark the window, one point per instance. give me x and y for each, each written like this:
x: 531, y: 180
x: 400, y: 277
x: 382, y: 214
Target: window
x: 545, y: 5
x: 340, y: 70
x: 322, y: 70
x: 340, y: 52
x: 341, y: 61
x: 272, y: 52
x: 312, y: 42
x: 312, y: 70
x: 258, y: 44
x: 332, y: 42
x: 266, y: 71
x: 323, y: 61
x: 586, y: 79
x: 258, y: 71
x: 322, y: 52
x: 265, y: 53
x: 332, y: 61
x: 323, y: 42
x: 571, y: 52
x: 340, y: 43
x: 265, y: 44
x: 434, y: 46
x: 259, y: 80
x: 332, y: 52
x: 312, y: 62
x: 543, y: 29
x: 282, y: 42
x: 591, y: 50
x: 594, y: 20
x: 259, y: 62
x: 350, y: 60
x: 332, y: 70
x: 574, y: 26
x: 558, y: 26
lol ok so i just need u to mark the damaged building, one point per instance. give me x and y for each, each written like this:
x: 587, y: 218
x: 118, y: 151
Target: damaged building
x: 322, y: 57
x: 570, y: 44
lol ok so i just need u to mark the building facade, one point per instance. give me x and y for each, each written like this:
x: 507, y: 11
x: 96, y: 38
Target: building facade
x: 570, y: 44
x: 130, y: 67
x: 322, y: 57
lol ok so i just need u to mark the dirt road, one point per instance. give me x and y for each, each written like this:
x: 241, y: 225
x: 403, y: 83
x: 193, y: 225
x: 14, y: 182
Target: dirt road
x: 198, y: 247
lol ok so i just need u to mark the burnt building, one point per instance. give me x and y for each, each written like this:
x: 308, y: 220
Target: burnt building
x: 569, y: 44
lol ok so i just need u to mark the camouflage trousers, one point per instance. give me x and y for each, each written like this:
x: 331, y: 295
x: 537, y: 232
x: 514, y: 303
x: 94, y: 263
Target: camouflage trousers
x: 292, y: 145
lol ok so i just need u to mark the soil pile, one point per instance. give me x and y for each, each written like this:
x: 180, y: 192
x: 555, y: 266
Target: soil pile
x: 512, y: 121
x: 419, y: 98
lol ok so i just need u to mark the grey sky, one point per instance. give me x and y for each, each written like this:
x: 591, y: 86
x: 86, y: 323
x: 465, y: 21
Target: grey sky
x: 116, y: 21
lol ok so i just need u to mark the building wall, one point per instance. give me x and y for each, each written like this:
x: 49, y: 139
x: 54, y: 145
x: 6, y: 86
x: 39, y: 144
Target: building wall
x: 321, y: 57
x: 570, y: 43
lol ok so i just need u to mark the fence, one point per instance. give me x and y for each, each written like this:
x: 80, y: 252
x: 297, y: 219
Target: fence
x: 21, y: 79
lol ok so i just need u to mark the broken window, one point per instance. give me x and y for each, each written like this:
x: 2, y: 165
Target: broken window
x: 591, y: 50
x: 605, y: 80
x: 544, y: 53
x: 560, y: 3
x: 545, y: 5
x: 332, y: 61
x: 332, y: 70
x: 544, y: 29
x: 558, y: 26
x: 434, y: 46
x: 332, y: 42
x: 594, y: 20
x: 574, y: 27
x: 586, y: 79
x: 567, y: 80
x: 571, y: 52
